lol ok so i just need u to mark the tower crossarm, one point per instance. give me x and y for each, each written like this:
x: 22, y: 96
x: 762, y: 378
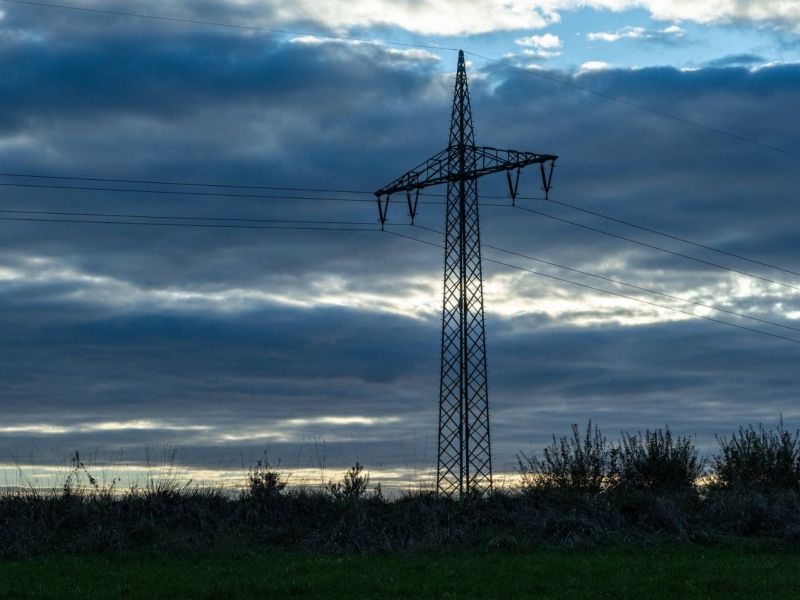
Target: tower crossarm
x: 434, y: 171
x: 490, y: 160
x: 438, y: 169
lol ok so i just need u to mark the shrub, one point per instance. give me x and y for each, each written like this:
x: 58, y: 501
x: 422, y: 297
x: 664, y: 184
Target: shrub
x: 263, y: 482
x: 353, y: 486
x: 655, y: 461
x: 580, y: 463
x: 762, y: 459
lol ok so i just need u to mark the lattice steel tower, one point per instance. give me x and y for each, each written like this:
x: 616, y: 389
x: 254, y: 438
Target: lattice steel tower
x: 465, y: 456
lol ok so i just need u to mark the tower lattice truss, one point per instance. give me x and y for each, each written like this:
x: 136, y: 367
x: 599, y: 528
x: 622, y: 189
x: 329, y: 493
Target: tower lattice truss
x: 465, y: 452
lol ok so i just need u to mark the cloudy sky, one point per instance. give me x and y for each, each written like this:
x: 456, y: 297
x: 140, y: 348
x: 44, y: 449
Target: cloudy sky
x: 323, y: 346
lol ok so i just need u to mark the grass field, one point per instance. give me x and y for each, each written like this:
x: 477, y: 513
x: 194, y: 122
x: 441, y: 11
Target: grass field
x: 661, y: 573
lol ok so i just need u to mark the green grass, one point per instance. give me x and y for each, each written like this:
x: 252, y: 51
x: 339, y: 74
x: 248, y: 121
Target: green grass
x: 630, y: 573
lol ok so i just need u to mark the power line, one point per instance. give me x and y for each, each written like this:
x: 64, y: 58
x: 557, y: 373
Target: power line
x: 316, y: 226
x: 659, y: 248
x: 540, y: 75
x: 181, y: 183
x: 666, y: 235
x: 368, y: 200
x: 176, y: 217
x: 626, y: 284
x: 201, y: 185
x: 637, y: 106
x: 196, y: 184
x: 201, y: 225
x: 214, y: 185
x: 335, y: 191
x: 354, y: 223
x: 174, y: 192
x: 365, y: 223
x: 81, y: 188
x: 596, y: 289
x: 338, y: 191
x: 199, y: 193
x: 685, y: 312
x: 332, y: 191
x: 375, y: 230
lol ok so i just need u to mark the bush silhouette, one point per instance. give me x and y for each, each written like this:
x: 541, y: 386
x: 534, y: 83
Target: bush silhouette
x: 759, y: 458
x: 353, y: 486
x: 581, y: 463
x: 263, y: 482
x: 655, y: 461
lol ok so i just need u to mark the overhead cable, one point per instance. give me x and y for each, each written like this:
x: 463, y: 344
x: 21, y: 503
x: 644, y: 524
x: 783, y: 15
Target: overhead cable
x: 611, y: 293
x: 626, y: 284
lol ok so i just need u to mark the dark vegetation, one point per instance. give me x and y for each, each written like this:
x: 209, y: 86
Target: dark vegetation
x: 581, y: 491
x: 632, y: 573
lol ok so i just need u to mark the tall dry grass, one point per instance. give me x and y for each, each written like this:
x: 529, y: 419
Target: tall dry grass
x: 581, y: 489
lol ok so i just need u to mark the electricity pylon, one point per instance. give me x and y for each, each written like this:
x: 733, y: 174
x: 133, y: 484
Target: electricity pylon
x: 465, y: 456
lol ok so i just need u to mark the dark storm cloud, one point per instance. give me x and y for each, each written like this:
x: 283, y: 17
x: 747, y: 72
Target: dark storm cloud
x: 661, y: 173
x: 213, y: 333
x: 737, y: 60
